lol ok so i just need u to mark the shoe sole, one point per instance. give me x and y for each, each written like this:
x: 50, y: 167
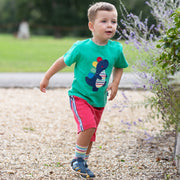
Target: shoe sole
x: 77, y: 172
x: 89, y: 178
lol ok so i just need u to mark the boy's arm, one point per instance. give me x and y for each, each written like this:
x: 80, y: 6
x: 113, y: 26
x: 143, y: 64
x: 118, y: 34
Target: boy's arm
x: 57, y: 66
x: 117, y: 74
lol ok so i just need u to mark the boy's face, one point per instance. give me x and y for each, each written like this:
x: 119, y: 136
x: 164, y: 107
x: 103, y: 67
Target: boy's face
x: 104, y: 26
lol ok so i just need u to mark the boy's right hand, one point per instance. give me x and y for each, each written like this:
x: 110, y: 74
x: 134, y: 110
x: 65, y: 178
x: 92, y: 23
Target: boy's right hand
x: 43, y: 84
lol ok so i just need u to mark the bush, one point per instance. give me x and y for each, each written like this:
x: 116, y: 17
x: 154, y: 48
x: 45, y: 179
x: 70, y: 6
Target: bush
x: 159, y: 49
x: 169, y: 59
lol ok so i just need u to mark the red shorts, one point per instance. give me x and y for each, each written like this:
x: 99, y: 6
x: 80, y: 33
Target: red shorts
x: 86, y: 116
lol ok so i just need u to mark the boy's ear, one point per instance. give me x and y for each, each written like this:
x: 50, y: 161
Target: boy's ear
x: 91, y: 26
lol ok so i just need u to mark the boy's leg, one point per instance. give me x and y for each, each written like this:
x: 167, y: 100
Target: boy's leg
x: 89, y: 149
x: 78, y: 163
x: 83, y: 142
x: 84, y: 137
x: 87, y: 121
x: 90, y: 174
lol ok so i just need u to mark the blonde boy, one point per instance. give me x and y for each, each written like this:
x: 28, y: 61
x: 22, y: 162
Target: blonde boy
x: 94, y: 59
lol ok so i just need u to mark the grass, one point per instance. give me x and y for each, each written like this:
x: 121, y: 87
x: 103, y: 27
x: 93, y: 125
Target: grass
x: 39, y: 52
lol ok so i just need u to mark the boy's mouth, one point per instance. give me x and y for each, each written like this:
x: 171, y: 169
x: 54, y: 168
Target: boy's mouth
x: 108, y: 32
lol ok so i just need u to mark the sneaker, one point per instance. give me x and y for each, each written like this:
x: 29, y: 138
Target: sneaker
x: 90, y: 174
x: 78, y: 165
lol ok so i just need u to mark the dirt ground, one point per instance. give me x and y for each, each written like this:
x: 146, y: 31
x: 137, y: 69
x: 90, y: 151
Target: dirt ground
x: 38, y: 134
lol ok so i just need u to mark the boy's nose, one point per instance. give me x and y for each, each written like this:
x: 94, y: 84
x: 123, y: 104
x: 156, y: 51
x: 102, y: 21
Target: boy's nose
x: 109, y: 24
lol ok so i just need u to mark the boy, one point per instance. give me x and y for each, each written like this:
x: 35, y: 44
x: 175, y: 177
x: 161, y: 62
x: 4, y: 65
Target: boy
x: 94, y: 60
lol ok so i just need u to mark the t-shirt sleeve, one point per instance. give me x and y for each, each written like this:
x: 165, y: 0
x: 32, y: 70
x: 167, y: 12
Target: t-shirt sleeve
x: 121, y: 60
x: 71, y: 55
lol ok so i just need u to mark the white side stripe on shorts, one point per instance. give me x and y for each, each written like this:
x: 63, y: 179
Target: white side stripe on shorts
x: 76, y: 113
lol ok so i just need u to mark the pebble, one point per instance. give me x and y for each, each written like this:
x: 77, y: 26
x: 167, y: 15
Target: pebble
x: 38, y: 134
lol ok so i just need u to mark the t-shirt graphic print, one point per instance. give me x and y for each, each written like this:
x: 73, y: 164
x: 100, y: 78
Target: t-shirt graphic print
x: 97, y: 77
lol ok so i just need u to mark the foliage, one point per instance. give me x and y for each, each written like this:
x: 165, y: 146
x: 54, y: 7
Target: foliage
x: 57, y: 17
x: 154, y: 68
x: 169, y: 59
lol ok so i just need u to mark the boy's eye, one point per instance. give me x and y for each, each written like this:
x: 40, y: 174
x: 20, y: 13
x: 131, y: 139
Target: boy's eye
x: 114, y: 22
x: 103, y: 21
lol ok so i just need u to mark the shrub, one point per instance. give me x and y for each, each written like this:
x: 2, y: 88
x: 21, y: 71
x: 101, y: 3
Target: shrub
x: 169, y: 59
x: 159, y: 49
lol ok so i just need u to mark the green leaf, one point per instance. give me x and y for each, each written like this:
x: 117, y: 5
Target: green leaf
x: 158, y: 46
x: 58, y: 164
x: 166, y: 45
x: 164, y: 65
x: 176, y: 19
x: 171, y: 30
x: 46, y: 165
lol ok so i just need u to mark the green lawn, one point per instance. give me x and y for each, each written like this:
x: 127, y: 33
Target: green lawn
x: 39, y: 52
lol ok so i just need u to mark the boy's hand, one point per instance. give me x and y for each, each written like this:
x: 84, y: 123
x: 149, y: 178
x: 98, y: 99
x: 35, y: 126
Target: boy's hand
x: 43, y: 84
x: 117, y: 73
x: 114, y: 88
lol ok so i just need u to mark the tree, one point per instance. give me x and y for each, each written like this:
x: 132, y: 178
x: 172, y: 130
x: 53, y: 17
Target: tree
x: 59, y: 17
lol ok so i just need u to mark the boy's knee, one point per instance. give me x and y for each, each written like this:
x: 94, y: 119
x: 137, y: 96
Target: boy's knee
x: 91, y: 130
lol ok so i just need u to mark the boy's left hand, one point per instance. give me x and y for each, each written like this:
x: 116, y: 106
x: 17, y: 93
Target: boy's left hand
x: 114, y: 88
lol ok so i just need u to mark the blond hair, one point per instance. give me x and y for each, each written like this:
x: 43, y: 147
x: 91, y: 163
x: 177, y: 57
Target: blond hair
x: 100, y: 6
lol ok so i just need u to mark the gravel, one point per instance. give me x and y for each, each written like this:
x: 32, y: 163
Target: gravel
x: 38, y: 134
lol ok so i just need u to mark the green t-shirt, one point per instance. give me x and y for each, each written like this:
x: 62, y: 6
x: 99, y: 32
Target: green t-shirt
x: 93, y: 67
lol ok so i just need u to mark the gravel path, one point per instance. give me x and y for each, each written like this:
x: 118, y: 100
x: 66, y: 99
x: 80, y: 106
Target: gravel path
x: 38, y: 133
